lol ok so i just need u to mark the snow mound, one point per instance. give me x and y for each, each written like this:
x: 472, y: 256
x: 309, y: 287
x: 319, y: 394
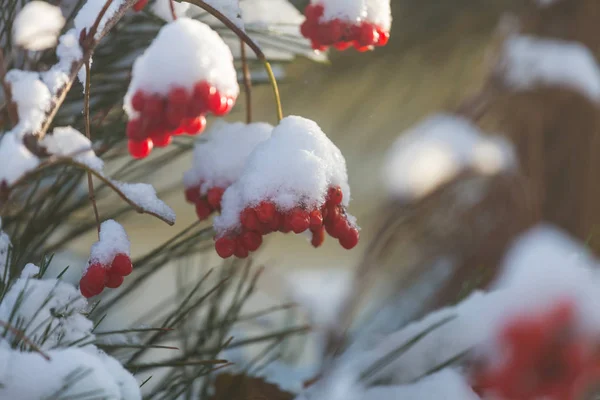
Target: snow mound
x: 32, y: 98
x: 437, y: 150
x: 69, y: 142
x: 295, y: 166
x: 87, y: 15
x: 183, y: 53
x: 162, y: 9
x: 528, y: 62
x: 68, y: 52
x: 220, y: 156
x: 37, y: 26
x: 16, y: 158
x: 113, y: 241
x: 144, y: 196
x: 377, y: 12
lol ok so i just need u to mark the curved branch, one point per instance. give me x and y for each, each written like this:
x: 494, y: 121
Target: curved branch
x: 255, y: 48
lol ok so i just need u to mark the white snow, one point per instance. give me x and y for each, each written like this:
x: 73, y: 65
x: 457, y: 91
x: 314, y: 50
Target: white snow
x: 221, y: 154
x: 437, y: 149
x: 295, y: 166
x: 183, y: 53
x: 377, y: 12
x: 82, y: 370
x: 88, y: 14
x: 69, y: 142
x: 162, y: 9
x: 38, y: 304
x: 5, y: 245
x: 145, y: 197
x: 269, y: 14
x: 37, y: 26
x: 68, y: 51
x: 113, y: 241
x: 230, y: 9
x: 16, y: 158
x: 32, y: 98
x: 528, y: 62
x: 29, y: 271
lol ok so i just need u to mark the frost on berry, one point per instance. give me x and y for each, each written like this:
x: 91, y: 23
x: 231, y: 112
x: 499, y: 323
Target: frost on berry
x: 362, y: 24
x: 218, y: 161
x: 438, y: 149
x: 295, y: 181
x: 109, y: 260
x: 186, y: 73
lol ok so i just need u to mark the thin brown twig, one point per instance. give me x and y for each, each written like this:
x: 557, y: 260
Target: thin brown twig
x: 21, y: 335
x: 94, y: 27
x: 10, y: 106
x: 247, y: 82
x: 172, y: 7
x: 248, y: 40
x: 86, y: 116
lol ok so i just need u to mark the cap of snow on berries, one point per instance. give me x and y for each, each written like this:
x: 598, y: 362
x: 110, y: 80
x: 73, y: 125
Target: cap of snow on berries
x: 109, y: 260
x: 219, y: 160
x: 183, y: 75
x: 346, y: 23
x: 294, y: 181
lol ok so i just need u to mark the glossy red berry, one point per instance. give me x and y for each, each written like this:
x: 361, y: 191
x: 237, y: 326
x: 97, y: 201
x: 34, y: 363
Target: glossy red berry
x: 318, y: 237
x: 121, y: 265
x: 349, y: 238
x: 162, y: 140
x: 202, y: 91
x: 114, y: 281
x: 179, y: 96
x: 137, y: 101
x: 134, y: 129
x: 241, y: 251
x: 335, y: 195
x: 249, y: 219
x: 225, y: 246
x: 203, y: 209
x: 85, y: 292
x: 384, y: 37
x: 266, y: 211
x: 140, y: 149
x: 194, y: 126
x: 368, y: 35
x: 299, y: 220
x: 313, y: 12
x: 94, y: 280
x: 316, y: 220
x: 342, y: 45
x: 140, y: 5
x: 192, y: 194
x: 214, y: 196
x: 251, y: 240
x: 217, y: 104
x: 154, y: 108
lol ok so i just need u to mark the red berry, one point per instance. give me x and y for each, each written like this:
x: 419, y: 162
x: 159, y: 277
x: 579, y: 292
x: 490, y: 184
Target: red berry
x: 94, y: 280
x: 331, y: 214
x: 334, y: 195
x: 249, y: 219
x: 214, y: 196
x: 316, y: 220
x: 265, y: 229
x: 349, y: 238
x: 154, y: 108
x: 194, y: 126
x: 137, y: 101
x: 317, y: 46
x: 134, y: 129
x: 175, y: 113
x: 140, y: 5
x: 341, y: 46
x: 306, y: 28
x: 251, y: 240
x: 275, y: 222
x: 285, y: 225
x: 384, y: 37
x: 329, y: 227
x: 217, y: 104
x: 299, y: 220
x: 162, y: 140
x: 85, y: 292
x: 368, y: 35
x: 192, y: 194
x: 331, y: 32
x: 318, y: 237
x: 202, y: 91
x: 203, y: 209
x: 313, y: 12
x: 140, y: 149
x: 241, y: 251
x: 114, y: 281
x: 179, y: 96
x: 121, y: 265
x: 225, y: 246
x: 340, y: 227
x: 266, y: 211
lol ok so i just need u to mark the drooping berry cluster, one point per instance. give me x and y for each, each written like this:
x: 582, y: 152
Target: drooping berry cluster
x: 341, y: 34
x: 181, y: 112
x: 266, y: 218
x: 98, y: 275
x: 207, y: 204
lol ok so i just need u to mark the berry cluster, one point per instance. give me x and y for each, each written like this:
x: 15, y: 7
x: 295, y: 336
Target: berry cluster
x: 139, y: 5
x: 205, y: 205
x: 98, y: 276
x: 340, y: 34
x: 266, y: 218
x: 180, y: 112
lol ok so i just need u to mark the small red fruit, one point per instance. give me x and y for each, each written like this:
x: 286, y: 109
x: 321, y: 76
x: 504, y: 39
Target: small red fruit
x: 313, y: 12
x: 162, y: 140
x: 214, y: 196
x: 203, y: 209
x: 137, y: 101
x: 179, y: 96
x: 194, y: 126
x: 316, y: 220
x: 192, y: 194
x: 93, y: 282
x: 121, y: 265
x: 134, y: 129
x: 368, y: 35
x: 241, y: 251
x: 225, y: 246
x: 140, y: 149
x: 249, y: 219
x: 335, y: 195
x: 384, y: 37
x: 154, y: 108
x: 217, y: 104
x: 266, y: 211
x: 341, y: 46
x: 140, y: 5
x: 318, y: 237
x: 299, y: 220
x: 251, y: 240
x: 114, y: 281
x: 202, y: 91
x: 349, y: 238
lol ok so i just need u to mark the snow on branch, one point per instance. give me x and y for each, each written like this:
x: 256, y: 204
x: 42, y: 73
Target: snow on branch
x: 37, y: 26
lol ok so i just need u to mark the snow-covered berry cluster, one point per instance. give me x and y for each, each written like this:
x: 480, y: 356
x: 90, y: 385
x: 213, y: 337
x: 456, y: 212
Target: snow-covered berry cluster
x: 218, y: 161
x: 343, y: 24
x: 295, y: 181
x: 109, y: 261
x: 186, y: 73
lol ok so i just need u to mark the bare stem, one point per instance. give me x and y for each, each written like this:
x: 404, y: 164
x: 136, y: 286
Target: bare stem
x: 94, y: 27
x: 255, y: 48
x: 247, y: 82
x: 86, y: 116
